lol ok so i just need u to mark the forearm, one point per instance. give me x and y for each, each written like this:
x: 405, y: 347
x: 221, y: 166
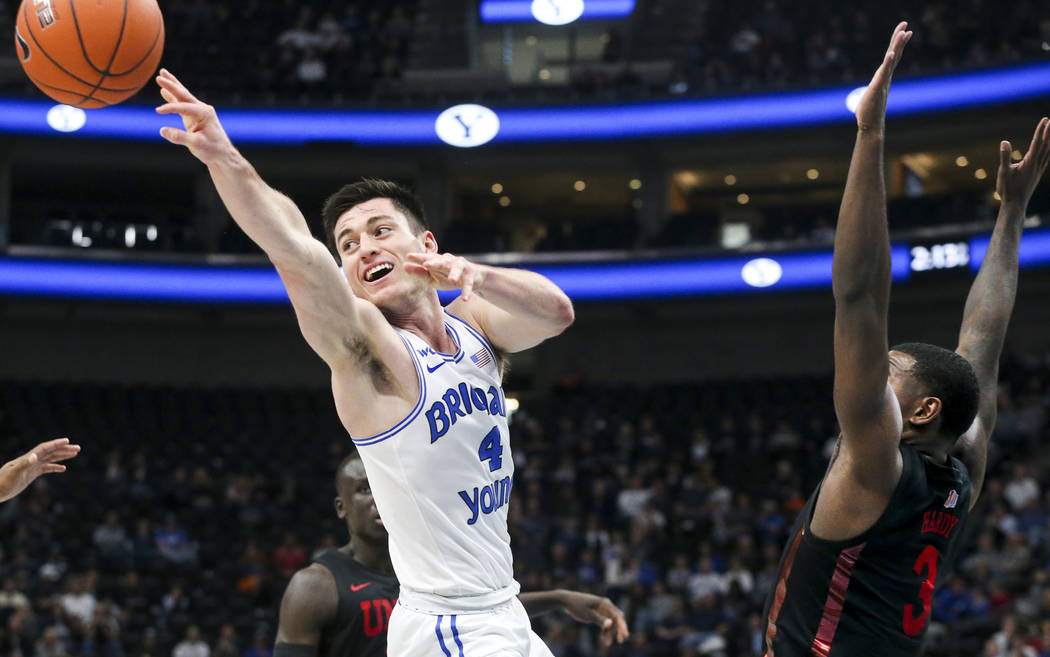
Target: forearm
x: 991, y: 299
x: 861, y: 266
x: 268, y: 217
x: 538, y: 603
x: 528, y: 296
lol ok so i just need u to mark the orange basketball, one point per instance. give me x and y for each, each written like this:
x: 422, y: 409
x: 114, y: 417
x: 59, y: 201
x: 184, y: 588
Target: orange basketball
x: 89, y: 53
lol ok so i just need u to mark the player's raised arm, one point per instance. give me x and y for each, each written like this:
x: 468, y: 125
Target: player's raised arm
x: 866, y: 407
x: 583, y: 607
x: 515, y: 309
x: 323, y: 302
x: 991, y: 299
x: 309, y: 603
x: 43, y: 459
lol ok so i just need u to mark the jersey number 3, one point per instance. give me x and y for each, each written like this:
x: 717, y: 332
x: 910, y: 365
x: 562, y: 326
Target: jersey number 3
x: 927, y: 561
x: 491, y: 450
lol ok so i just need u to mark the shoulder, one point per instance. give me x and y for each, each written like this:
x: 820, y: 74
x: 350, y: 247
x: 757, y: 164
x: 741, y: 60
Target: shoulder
x: 311, y: 591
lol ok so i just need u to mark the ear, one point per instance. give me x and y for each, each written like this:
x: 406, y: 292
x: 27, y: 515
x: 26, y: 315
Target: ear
x: 929, y: 409
x: 429, y: 242
x: 340, y: 508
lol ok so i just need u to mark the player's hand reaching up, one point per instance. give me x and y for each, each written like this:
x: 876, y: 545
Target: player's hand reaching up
x: 204, y: 135
x: 871, y: 111
x: 447, y: 272
x: 596, y: 610
x: 1016, y: 182
x: 42, y: 459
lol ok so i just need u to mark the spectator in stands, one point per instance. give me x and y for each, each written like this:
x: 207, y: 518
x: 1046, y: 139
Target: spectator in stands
x: 173, y: 543
x: 112, y: 540
x: 290, y: 556
x: 191, y: 645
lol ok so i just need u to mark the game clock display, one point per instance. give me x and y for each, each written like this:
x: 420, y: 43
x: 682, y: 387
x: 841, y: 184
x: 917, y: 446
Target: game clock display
x: 939, y: 256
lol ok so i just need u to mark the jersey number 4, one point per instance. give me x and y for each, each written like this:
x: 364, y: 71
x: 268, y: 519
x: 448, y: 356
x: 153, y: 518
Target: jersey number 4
x: 927, y: 561
x: 491, y: 449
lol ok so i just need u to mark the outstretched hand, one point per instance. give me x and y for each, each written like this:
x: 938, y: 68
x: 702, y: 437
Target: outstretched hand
x: 447, y: 271
x: 871, y: 111
x: 204, y: 135
x: 42, y: 459
x: 1016, y: 182
x: 596, y: 610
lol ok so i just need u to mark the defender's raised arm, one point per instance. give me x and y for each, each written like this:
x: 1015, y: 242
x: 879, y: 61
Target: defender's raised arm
x: 991, y: 299
x: 864, y: 402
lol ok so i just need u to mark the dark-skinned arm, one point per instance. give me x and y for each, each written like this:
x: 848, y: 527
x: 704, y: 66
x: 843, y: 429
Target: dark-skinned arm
x: 991, y: 299
x: 310, y: 602
x: 583, y: 607
x: 861, y: 274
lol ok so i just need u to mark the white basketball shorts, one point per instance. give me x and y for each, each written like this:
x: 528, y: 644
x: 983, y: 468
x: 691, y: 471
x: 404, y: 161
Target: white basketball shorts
x: 503, y: 631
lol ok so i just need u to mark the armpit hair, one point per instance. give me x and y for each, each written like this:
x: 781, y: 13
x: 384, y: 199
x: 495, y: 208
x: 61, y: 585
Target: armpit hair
x: 381, y: 376
x: 502, y: 362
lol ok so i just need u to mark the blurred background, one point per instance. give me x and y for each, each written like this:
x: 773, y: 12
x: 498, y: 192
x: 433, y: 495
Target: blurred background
x: 664, y: 443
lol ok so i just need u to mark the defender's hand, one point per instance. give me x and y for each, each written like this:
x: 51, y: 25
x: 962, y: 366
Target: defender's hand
x: 447, y: 272
x: 1016, y: 182
x: 596, y: 610
x: 871, y: 111
x: 204, y: 135
x: 42, y: 459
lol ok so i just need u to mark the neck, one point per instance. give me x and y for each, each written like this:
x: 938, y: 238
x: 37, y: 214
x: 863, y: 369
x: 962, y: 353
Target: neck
x: 426, y: 320
x: 370, y: 555
x: 931, y: 446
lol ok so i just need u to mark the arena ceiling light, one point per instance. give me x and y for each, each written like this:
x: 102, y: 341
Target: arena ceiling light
x: 553, y: 12
x: 553, y: 124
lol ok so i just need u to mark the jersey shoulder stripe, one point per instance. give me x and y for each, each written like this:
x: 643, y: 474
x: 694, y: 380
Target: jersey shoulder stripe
x: 397, y: 428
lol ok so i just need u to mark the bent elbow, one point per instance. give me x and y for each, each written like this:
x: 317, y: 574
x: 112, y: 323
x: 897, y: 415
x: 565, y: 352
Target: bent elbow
x: 566, y: 315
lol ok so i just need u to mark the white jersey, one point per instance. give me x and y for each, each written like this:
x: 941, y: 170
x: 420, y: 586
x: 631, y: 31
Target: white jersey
x: 442, y: 476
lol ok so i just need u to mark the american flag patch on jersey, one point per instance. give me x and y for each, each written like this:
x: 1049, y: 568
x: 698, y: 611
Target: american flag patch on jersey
x: 482, y: 358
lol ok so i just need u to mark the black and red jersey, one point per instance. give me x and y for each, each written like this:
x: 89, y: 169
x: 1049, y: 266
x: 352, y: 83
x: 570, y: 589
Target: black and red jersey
x: 366, y: 599
x: 870, y: 595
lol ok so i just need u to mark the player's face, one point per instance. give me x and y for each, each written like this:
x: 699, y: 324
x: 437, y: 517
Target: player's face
x: 373, y: 240
x: 355, y: 505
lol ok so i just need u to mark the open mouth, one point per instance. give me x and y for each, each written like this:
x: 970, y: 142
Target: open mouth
x: 373, y: 274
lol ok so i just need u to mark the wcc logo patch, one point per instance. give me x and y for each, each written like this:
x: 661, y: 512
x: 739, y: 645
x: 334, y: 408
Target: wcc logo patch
x: 23, y: 46
x: 953, y: 499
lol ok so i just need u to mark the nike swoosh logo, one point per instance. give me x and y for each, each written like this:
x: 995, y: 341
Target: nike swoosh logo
x: 357, y: 587
x: 435, y: 368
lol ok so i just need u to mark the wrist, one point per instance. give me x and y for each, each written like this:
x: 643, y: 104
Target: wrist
x: 482, y: 277
x: 1014, y: 208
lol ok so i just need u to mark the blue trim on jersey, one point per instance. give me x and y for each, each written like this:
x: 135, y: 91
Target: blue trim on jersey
x: 391, y: 432
x: 481, y: 338
x: 459, y: 343
x: 441, y: 639
x: 455, y: 635
x: 458, y: 355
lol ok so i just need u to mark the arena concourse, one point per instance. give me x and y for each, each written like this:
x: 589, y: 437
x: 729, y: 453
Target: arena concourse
x: 663, y: 445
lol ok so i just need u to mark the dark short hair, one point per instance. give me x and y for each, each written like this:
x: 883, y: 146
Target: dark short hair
x: 949, y: 377
x: 366, y: 189
x: 352, y: 456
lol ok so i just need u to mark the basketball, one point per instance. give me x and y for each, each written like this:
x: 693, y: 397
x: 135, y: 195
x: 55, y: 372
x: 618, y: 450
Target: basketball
x: 89, y: 53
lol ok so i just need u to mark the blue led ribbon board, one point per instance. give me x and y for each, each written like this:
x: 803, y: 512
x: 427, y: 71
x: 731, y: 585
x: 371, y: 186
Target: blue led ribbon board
x: 1034, y: 250
x: 610, y: 281
x: 552, y: 124
x: 520, y: 11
